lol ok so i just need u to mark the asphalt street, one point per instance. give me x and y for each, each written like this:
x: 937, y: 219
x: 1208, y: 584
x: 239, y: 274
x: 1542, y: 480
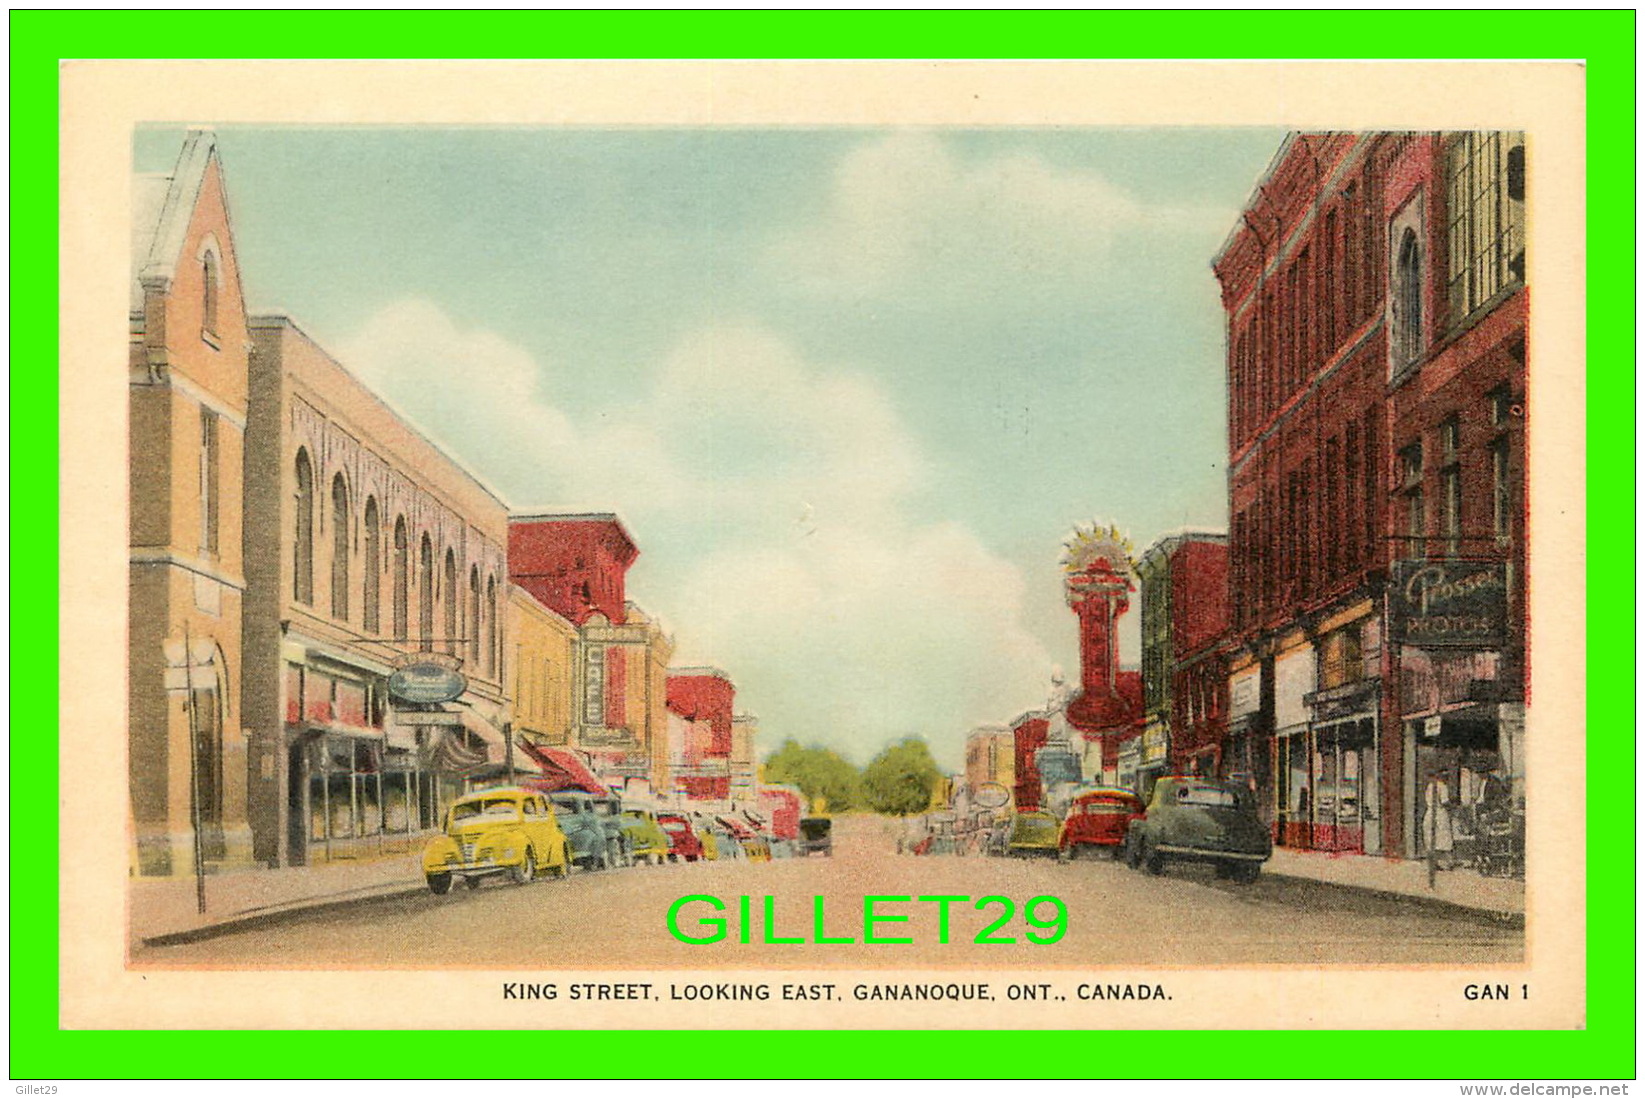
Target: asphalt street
x: 1114, y: 916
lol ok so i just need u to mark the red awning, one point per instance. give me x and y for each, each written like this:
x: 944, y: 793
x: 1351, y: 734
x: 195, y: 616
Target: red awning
x: 562, y: 770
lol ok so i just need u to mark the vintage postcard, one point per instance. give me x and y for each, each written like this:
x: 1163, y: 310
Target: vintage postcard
x: 695, y: 545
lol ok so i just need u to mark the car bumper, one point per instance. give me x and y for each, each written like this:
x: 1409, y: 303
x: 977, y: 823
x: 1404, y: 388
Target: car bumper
x: 1179, y: 852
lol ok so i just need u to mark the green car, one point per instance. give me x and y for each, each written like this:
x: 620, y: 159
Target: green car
x: 1033, y: 832
x: 646, y: 839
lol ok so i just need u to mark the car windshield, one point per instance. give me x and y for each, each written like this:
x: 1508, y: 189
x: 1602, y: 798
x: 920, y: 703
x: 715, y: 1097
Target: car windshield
x: 1212, y: 797
x: 565, y: 808
x: 674, y: 825
x: 603, y: 808
x: 633, y: 814
x: 487, y: 808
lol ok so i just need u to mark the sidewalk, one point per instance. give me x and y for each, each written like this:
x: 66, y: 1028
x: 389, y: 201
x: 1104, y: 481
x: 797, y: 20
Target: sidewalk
x: 168, y: 906
x: 1402, y: 877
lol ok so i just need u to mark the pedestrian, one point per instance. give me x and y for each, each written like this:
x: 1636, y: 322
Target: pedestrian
x: 1437, y: 830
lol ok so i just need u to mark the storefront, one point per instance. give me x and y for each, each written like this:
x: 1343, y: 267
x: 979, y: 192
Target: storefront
x: 1156, y: 756
x: 1129, y: 764
x: 1347, y: 803
x: 1294, y: 791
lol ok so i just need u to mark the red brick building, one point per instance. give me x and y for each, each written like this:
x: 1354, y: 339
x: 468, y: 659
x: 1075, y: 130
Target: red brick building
x: 1376, y: 313
x: 1028, y: 735
x: 1184, y: 582
x: 706, y: 699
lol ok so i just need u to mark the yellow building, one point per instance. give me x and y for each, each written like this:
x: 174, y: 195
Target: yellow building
x: 542, y: 672
x: 378, y: 568
x: 187, y: 401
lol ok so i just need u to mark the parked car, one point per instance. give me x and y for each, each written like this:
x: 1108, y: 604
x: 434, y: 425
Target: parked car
x: 1200, y: 820
x: 816, y: 835
x: 726, y: 847
x: 647, y: 842
x: 753, y: 846
x: 591, y: 846
x: 1098, y: 820
x: 1033, y: 832
x: 610, y: 812
x: 683, y: 843
x: 501, y: 831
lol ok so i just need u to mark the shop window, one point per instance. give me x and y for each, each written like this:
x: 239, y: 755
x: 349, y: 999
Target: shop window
x: 1485, y: 230
x: 210, y: 479
x: 373, y: 567
x: 339, y: 548
x: 402, y: 581
x: 302, y: 581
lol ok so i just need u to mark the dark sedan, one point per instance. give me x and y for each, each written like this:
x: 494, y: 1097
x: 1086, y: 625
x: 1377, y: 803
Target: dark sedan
x: 1200, y: 820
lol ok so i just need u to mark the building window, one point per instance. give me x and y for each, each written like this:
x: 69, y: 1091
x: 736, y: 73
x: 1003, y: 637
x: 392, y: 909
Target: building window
x: 1410, y: 465
x: 1407, y: 337
x: 208, y: 768
x: 1501, y: 400
x: 210, y: 476
x: 474, y: 615
x: 494, y: 652
x: 339, y: 548
x: 1485, y: 230
x: 454, y: 602
x: 373, y: 565
x: 1416, y: 521
x: 208, y: 294
x: 402, y: 581
x: 302, y: 581
x: 1501, y: 500
x: 425, y: 593
x: 1450, y: 479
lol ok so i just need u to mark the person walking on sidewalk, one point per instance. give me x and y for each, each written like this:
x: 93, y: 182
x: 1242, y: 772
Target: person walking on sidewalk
x: 1437, y: 832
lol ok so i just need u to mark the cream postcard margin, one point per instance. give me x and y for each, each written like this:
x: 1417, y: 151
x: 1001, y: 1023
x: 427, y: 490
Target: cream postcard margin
x: 103, y: 101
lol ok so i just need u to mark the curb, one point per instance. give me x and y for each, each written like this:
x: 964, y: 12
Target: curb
x: 251, y: 918
x: 1496, y: 914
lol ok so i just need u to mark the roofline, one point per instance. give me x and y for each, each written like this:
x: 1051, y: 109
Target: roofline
x: 698, y: 672
x: 1165, y: 543
x: 1251, y: 196
x: 281, y: 319
x: 177, y: 208
x: 545, y: 515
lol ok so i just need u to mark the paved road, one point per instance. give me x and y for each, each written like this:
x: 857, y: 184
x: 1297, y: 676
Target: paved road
x: 619, y: 919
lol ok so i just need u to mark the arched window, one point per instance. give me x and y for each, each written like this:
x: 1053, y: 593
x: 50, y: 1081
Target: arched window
x: 208, y: 293
x: 373, y: 565
x: 302, y: 577
x: 454, y: 602
x: 1408, y: 299
x: 474, y: 615
x: 402, y: 580
x: 493, y: 644
x: 339, y: 548
x: 425, y: 592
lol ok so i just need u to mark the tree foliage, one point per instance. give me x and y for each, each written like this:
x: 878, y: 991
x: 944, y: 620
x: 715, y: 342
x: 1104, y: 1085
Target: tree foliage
x: 900, y: 780
x: 828, y: 780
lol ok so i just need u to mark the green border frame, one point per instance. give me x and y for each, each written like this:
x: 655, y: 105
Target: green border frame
x: 1603, y: 39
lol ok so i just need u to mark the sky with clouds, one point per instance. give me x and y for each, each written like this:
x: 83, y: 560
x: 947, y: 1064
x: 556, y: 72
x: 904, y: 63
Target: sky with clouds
x: 849, y: 389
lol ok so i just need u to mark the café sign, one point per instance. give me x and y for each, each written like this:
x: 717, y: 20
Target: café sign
x: 1449, y: 604
x: 426, y: 678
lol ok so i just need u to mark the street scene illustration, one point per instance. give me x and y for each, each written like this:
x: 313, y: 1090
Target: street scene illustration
x: 623, y: 548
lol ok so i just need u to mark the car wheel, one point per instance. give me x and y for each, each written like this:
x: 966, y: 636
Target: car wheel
x: 1225, y: 870
x: 1155, y: 863
x: 439, y: 884
x: 1247, y: 872
x: 473, y: 881
x: 1133, y: 855
x: 527, y: 869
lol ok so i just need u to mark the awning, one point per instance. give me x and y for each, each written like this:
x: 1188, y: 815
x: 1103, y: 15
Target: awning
x: 563, y: 770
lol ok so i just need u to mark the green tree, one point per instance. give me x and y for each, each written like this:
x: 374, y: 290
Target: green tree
x: 825, y: 777
x: 898, y: 783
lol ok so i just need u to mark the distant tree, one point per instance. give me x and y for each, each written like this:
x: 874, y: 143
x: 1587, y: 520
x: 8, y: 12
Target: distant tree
x: 826, y: 778
x: 899, y: 781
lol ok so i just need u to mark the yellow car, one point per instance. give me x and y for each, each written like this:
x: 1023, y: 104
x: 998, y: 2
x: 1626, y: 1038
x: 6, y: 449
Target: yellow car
x: 502, y: 831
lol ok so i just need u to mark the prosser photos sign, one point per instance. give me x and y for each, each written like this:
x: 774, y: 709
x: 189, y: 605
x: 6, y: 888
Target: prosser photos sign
x: 1449, y: 604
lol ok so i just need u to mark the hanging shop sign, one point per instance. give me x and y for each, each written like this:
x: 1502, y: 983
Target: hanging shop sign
x: 1449, y: 604
x: 426, y: 678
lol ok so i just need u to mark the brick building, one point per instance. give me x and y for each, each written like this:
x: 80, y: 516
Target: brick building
x: 1376, y: 312
x: 1184, y: 593
x: 188, y: 758
x: 704, y: 700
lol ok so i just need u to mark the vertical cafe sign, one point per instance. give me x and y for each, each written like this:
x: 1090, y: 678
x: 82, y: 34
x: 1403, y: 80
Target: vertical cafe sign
x: 1449, y: 604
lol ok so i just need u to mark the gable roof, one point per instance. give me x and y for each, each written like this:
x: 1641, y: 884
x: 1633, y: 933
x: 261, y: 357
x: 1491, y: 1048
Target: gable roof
x: 162, y: 207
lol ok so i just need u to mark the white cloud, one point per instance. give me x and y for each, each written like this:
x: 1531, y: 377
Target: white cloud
x: 840, y: 616
x: 905, y: 213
